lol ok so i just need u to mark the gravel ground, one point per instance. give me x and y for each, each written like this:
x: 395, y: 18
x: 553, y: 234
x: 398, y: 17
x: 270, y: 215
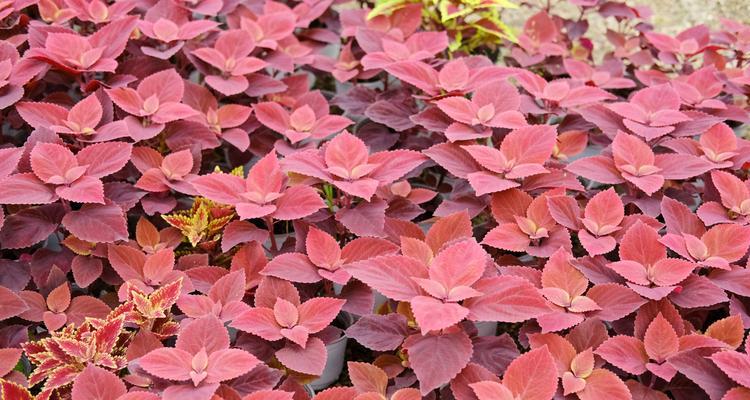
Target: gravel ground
x: 669, y: 16
x: 672, y: 16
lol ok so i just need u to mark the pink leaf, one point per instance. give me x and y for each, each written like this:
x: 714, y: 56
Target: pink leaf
x: 238, y: 232
x: 453, y: 158
x: 228, y: 364
x: 660, y: 340
x: 223, y: 188
x: 432, y: 314
x: 322, y: 249
x: 732, y: 190
x: 698, y: 291
x: 605, y: 209
x: 626, y: 353
x: 734, y: 364
x: 367, y: 377
x: 616, y: 301
x: 597, y: 168
x: 95, y: 383
x: 532, y: 376
x: 394, y: 164
x: 316, y: 314
x: 206, y: 333
x: 295, y: 267
x: 604, y: 384
x: 336, y: 393
x: 259, y: 321
x: 12, y: 305
x: 104, y: 159
x: 97, y: 223
x: 390, y: 275
x: 379, y: 332
x: 311, y: 360
x: 698, y: 367
x: 269, y: 395
x: 30, y: 226
x: 189, y: 391
x: 448, y: 229
x: 52, y: 162
x: 168, y: 363
x: 85, y: 189
x: 505, y: 299
x: 488, y: 390
x: 83, y: 307
x: 42, y: 115
x: 297, y: 202
x: 460, y: 264
x: 671, y: 271
x: 473, y: 373
x: 641, y: 244
x: 86, y: 270
x: 436, y: 359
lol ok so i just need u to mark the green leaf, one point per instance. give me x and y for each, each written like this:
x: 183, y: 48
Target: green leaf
x: 386, y: 7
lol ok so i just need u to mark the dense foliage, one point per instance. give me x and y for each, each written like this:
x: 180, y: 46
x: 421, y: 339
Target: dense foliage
x: 231, y: 200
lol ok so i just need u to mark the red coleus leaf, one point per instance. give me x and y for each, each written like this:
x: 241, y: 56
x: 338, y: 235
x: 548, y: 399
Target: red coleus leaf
x: 651, y: 112
x: 263, y: 193
x: 201, y: 355
x: 734, y: 364
x: 506, y: 299
x: 531, y: 385
x: 603, y: 383
x: 12, y: 390
x: 310, y: 360
x: 152, y: 104
x: 97, y: 223
x: 81, y: 119
x: 30, y: 226
x: 368, y: 378
x: 531, y: 376
x: 270, y: 395
x: 290, y: 321
x: 645, y: 265
x: 522, y: 154
x: 397, y: 283
x: 660, y: 342
x: 475, y: 118
x: 473, y: 373
x: 70, y: 52
x: 418, y: 46
x: 561, y: 92
x: 95, y: 383
x: 346, y: 163
x: 12, y: 305
x: 697, y: 365
x: 77, y: 177
x: 426, y: 353
x: 302, y: 123
x: 230, y: 56
x: 634, y: 161
x: 325, y: 260
x: 734, y: 195
x: 616, y: 301
x: 379, y: 332
x: 525, y: 224
x: 626, y: 353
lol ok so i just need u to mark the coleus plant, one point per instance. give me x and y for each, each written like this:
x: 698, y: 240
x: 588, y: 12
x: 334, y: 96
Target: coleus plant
x: 218, y: 200
x: 201, y: 356
x: 309, y: 118
x: 279, y: 314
